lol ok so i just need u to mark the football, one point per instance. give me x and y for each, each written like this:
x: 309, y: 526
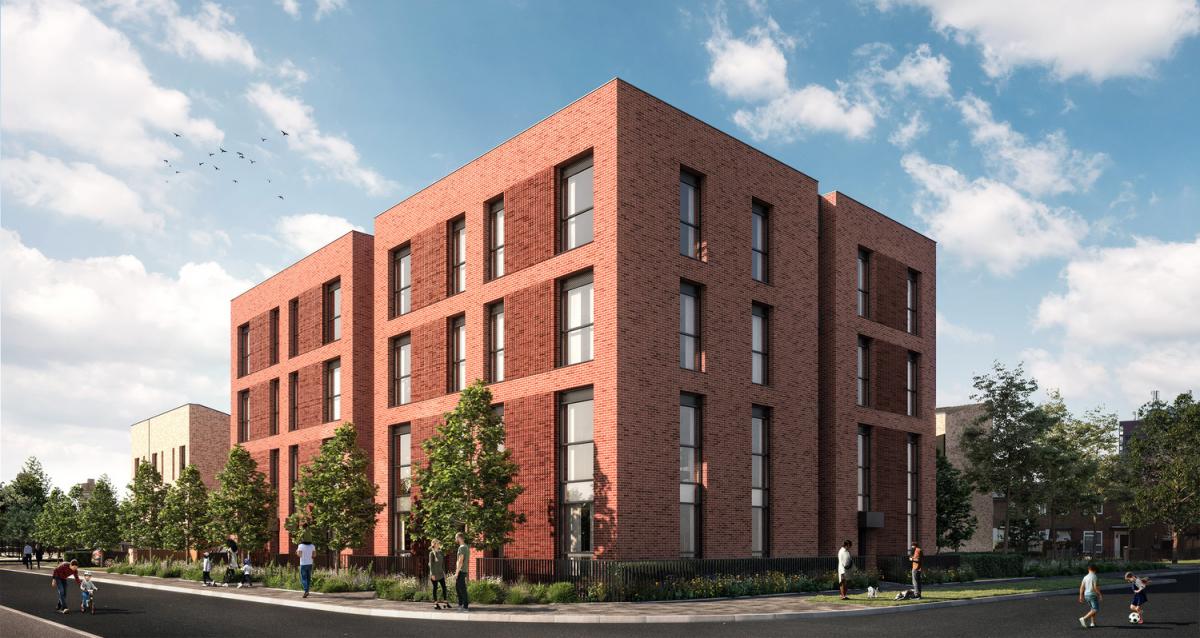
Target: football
x: 1134, y: 618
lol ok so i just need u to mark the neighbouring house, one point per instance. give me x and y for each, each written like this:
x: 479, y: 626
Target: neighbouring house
x: 189, y: 434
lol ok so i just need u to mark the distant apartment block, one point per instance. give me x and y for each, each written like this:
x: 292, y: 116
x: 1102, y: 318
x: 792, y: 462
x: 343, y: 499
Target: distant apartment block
x: 952, y: 421
x: 190, y: 433
x: 694, y: 352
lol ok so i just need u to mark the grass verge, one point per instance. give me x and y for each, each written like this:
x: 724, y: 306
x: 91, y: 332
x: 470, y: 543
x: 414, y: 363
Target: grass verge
x: 966, y: 592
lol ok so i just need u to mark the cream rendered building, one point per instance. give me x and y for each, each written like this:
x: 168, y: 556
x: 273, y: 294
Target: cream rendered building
x: 189, y: 434
x: 950, y: 422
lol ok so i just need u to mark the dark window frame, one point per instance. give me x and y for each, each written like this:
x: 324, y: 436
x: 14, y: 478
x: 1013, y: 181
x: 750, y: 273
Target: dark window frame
x: 863, y: 468
x: 457, y: 254
x: 456, y: 349
x: 693, y: 181
x: 495, y: 261
x: 912, y: 371
x: 862, y: 372
x: 243, y: 431
x: 566, y: 285
x: 274, y: 335
x: 568, y: 171
x: 293, y: 401
x: 293, y: 476
x: 273, y: 423
x: 495, y: 335
x: 587, y: 507
x: 912, y: 475
x: 332, y: 310
x: 693, y: 484
x: 244, y: 349
x: 761, y: 415
x: 273, y: 478
x: 761, y: 313
x: 401, y: 294
x: 395, y: 364
x: 293, y: 327
x: 761, y: 211
x: 182, y: 458
x: 401, y: 540
x: 695, y: 292
x: 863, y: 283
x: 332, y: 381
x: 912, y: 300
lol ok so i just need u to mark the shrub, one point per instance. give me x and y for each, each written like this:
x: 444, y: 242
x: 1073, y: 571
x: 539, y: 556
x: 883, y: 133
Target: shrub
x: 398, y: 588
x: 485, y: 591
x: 994, y: 565
x: 539, y: 593
x: 520, y: 594
x: 561, y: 593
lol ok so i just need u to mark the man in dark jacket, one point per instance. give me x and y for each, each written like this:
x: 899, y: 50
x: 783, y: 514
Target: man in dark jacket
x: 59, y: 578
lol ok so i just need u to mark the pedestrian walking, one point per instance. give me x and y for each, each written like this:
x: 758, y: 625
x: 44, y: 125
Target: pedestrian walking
x: 460, y: 571
x: 915, y: 556
x: 845, y: 562
x: 231, y: 548
x: 206, y: 567
x: 59, y: 578
x: 1139, y: 596
x: 245, y: 573
x: 306, y: 550
x: 38, y: 552
x: 437, y: 573
x: 1089, y: 591
x: 27, y: 556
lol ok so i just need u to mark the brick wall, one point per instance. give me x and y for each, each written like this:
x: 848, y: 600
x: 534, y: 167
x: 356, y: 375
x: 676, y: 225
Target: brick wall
x: 429, y: 263
x: 530, y: 221
x: 429, y: 360
x: 530, y: 339
x: 889, y: 377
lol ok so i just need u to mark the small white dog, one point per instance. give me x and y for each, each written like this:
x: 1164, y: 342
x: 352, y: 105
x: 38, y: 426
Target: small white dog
x: 872, y: 592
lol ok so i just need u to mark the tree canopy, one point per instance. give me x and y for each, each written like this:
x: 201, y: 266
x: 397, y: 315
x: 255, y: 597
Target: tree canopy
x: 57, y: 524
x: 142, y: 508
x: 22, y: 501
x: 956, y: 521
x: 100, y: 517
x: 185, y: 518
x: 242, y: 506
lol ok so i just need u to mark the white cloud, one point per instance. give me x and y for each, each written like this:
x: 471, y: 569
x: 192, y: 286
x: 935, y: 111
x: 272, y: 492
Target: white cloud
x: 812, y: 108
x: 57, y: 57
x: 988, y: 223
x: 958, y: 333
x: 332, y: 152
x: 746, y: 69
x: 326, y: 7
x: 310, y: 231
x: 912, y: 129
x: 289, y: 72
x: 207, y: 35
x: 93, y: 345
x: 1048, y: 167
x: 210, y: 239
x: 920, y: 71
x: 1129, y: 295
x: 1097, y: 39
x: 1170, y: 368
x: 290, y: 7
x: 78, y: 189
x: 1073, y: 374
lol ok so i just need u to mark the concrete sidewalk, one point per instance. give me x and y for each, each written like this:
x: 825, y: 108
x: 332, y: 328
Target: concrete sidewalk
x: 756, y: 608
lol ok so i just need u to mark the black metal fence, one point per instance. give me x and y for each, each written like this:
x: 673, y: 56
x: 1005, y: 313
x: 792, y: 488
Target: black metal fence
x: 898, y: 569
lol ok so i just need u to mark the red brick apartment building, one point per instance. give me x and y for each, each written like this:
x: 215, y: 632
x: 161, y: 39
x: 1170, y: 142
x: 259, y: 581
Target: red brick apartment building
x: 695, y: 353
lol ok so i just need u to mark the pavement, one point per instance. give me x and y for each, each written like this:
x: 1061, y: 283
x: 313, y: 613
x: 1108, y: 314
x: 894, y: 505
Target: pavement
x: 127, y: 610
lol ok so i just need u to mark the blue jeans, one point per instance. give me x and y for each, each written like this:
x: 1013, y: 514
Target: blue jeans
x: 305, y: 576
x: 84, y: 597
x: 62, y: 593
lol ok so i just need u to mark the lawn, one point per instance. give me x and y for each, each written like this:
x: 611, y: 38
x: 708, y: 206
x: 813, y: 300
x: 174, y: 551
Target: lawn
x: 968, y: 590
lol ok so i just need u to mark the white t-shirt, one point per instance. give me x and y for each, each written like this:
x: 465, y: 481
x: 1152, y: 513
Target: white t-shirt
x: 245, y: 568
x: 306, y: 552
x: 843, y: 561
x: 28, y: 550
x: 1089, y: 584
x: 207, y: 564
x: 1139, y: 584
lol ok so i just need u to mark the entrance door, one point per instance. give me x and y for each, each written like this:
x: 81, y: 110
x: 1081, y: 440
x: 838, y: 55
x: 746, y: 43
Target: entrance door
x: 1120, y: 542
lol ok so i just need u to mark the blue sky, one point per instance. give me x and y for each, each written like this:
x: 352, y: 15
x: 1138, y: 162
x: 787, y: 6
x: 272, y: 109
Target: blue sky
x: 1056, y: 167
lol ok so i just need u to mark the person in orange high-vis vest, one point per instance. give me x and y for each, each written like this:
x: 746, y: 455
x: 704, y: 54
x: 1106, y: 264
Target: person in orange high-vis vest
x: 915, y: 557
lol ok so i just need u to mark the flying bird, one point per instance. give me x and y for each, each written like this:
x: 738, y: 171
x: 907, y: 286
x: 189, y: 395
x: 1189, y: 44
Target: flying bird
x: 178, y: 172
x: 166, y: 162
x: 279, y: 196
x: 263, y: 139
x: 202, y: 163
x: 216, y: 167
x: 235, y: 181
x: 177, y: 134
x: 284, y: 132
x: 251, y: 161
x: 268, y: 181
x: 211, y: 154
x: 223, y: 150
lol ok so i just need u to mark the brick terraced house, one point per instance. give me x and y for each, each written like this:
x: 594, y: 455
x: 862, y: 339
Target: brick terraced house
x: 694, y: 352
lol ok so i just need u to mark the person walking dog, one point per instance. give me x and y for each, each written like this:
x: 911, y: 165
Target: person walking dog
x: 915, y: 557
x: 460, y: 571
x: 845, y: 562
x: 59, y: 578
x: 437, y: 573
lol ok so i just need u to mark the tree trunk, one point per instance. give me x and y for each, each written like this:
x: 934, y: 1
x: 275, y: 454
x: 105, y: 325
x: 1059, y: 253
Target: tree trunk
x: 1174, y: 546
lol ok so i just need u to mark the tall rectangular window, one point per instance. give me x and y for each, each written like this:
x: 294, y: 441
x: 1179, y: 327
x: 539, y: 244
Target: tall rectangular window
x: 293, y: 327
x: 863, y: 279
x: 401, y: 390
x: 864, y: 468
x: 401, y: 281
x: 759, y: 343
x: 910, y: 383
x: 863, y: 371
x: 293, y: 399
x: 333, y: 390
x: 689, y: 215
x: 578, y: 471
x: 182, y: 457
x: 912, y: 458
x: 458, y: 353
x: 273, y: 477
x: 333, y: 310
x: 274, y: 337
x: 293, y: 476
x: 910, y: 307
x: 689, y: 475
x: 578, y: 201
x: 760, y: 480
x: 402, y: 487
x: 689, y: 326
x: 243, y: 416
x: 578, y: 320
x: 496, y: 342
x: 243, y: 350
x: 458, y: 255
x: 496, y: 239
x: 758, y: 242
x: 172, y: 463
x: 273, y: 427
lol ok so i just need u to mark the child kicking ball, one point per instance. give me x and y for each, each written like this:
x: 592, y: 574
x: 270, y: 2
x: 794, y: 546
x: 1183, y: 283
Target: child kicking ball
x: 1139, y: 596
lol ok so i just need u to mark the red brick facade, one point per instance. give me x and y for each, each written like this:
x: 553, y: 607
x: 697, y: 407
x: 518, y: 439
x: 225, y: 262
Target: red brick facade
x: 638, y: 146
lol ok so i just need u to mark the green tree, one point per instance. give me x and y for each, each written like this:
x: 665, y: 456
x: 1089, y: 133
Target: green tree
x: 185, y: 519
x: 955, y: 520
x: 334, y: 497
x: 242, y: 506
x: 141, y: 512
x: 100, y: 517
x: 57, y: 524
x: 1163, y: 467
x: 1024, y: 529
x: 24, y: 498
x: 468, y: 483
x: 1002, y: 445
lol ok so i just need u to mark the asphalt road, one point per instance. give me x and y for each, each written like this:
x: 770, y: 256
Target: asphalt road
x: 1173, y: 610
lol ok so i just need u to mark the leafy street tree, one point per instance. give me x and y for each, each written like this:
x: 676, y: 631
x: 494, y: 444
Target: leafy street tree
x: 468, y: 482
x: 243, y: 504
x: 955, y: 520
x: 1001, y: 446
x: 335, y: 499
x: 57, y: 524
x: 1163, y: 468
x: 1024, y: 528
x: 142, y: 510
x: 100, y: 517
x: 23, y: 501
x: 185, y: 512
